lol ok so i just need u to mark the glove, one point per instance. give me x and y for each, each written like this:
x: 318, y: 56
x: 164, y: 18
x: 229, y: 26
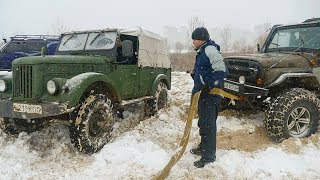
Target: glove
x: 205, y: 89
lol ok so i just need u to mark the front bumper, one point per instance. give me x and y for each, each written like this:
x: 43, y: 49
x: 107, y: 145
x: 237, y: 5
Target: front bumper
x: 244, y: 90
x: 31, y: 111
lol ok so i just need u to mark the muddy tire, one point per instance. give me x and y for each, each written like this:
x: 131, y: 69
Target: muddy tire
x: 159, y: 101
x: 293, y: 113
x: 92, y: 127
x: 14, y: 126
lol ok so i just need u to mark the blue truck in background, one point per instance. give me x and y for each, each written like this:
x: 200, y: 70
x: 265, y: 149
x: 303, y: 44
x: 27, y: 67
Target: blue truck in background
x: 25, y: 45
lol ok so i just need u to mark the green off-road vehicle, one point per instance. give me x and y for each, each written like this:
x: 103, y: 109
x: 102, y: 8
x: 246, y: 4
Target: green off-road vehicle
x: 283, y: 79
x: 87, y: 83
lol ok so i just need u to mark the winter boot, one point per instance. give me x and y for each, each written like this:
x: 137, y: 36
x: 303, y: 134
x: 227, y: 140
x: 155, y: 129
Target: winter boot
x: 196, y: 151
x: 202, y: 162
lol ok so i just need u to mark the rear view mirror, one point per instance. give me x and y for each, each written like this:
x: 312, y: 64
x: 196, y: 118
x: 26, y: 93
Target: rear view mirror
x: 4, y: 40
x: 127, y: 49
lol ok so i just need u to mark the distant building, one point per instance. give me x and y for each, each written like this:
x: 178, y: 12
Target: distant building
x: 174, y: 35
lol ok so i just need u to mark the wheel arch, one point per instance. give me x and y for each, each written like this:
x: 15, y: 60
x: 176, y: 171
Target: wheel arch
x: 160, y: 78
x: 295, y: 80
x: 80, y: 86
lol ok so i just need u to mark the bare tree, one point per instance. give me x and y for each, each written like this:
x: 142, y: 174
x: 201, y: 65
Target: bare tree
x: 262, y: 38
x: 226, y: 37
x: 242, y: 47
x: 246, y: 48
x: 251, y: 49
x: 263, y: 31
x: 59, y: 27
x: 193, y: 23
x: 183, y: 61
x: 236, y: 46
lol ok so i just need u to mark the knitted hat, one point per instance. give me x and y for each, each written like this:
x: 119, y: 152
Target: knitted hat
x: 200, y: 33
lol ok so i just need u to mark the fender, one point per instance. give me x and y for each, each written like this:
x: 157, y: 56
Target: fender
x: 77, y: 85
x: 285, y: 76
x: 160, y: 77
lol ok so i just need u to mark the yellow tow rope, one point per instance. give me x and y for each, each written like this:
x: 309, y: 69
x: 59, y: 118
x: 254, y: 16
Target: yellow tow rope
x: 184, y: 141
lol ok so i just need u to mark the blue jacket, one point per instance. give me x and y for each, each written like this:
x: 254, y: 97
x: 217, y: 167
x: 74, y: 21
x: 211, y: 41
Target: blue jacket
x: 209, y: 68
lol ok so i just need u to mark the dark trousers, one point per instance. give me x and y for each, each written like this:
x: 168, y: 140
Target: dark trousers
x: 208, y: 109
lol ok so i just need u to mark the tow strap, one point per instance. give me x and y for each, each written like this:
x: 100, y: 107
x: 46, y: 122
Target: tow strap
x: 185, y: 139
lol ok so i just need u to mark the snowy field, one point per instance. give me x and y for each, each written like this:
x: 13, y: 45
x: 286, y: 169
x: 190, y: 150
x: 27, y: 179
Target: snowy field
x: 141, y: 149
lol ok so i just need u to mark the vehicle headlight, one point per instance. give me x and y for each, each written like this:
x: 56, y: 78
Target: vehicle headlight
x: 3, y: 85
x: 242, y: 79
x: 52, y: 87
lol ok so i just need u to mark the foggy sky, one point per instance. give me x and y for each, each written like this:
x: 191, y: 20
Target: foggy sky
x: 38, y: 16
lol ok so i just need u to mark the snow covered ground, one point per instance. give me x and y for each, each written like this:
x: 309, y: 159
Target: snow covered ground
x: 141, y: 149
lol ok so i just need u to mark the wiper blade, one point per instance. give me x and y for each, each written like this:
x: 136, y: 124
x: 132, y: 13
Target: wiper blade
x: 96, y: 36
x: 69, y: 38
x: 275, y: 44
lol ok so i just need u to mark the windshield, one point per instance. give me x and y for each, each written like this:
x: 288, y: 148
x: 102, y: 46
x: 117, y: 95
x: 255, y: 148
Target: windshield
x: 292, y: 39
x: 88, y: 41
x: 27, y: 47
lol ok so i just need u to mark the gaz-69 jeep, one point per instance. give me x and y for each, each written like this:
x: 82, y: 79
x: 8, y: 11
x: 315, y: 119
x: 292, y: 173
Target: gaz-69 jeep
x: 86, y: 84
x: 283, y: 79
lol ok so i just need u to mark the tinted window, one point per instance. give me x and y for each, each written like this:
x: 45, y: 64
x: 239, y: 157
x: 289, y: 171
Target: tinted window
x: 23, y: 47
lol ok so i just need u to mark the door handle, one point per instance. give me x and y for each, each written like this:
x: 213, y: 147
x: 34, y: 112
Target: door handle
x: 133, y: 74
x: 152, y: 72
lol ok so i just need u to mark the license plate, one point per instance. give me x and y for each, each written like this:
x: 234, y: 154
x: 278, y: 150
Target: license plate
x: 231, y: 87
x: 27, y: 108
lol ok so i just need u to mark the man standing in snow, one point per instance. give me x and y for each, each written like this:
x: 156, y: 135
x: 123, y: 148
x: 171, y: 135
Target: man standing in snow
x: 209, y: 72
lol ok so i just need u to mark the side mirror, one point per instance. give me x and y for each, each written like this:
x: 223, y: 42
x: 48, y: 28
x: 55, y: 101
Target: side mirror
x: 4, y: 40
x: 258, y: 47
x: 44, y: 51
x: 127, y: 48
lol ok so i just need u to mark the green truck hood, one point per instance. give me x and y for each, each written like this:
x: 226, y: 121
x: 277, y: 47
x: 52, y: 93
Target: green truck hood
x: 276, y: 59
x: 61, y: 59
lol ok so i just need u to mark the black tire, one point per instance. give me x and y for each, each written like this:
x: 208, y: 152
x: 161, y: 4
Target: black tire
x: 293, y: 113
x: 150, y: 107
x: 92, y: 128
x: 159, y: 101
x: 161, y: 96
x: 13, y: 126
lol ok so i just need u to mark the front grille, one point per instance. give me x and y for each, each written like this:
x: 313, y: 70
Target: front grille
x: 22, y: 82
x: 240, y: 67
x: 239, y: 73
x: 239, y: 63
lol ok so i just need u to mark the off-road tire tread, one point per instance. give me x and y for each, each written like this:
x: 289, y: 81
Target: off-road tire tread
x: 278, y: 108
x: 79, y: 135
